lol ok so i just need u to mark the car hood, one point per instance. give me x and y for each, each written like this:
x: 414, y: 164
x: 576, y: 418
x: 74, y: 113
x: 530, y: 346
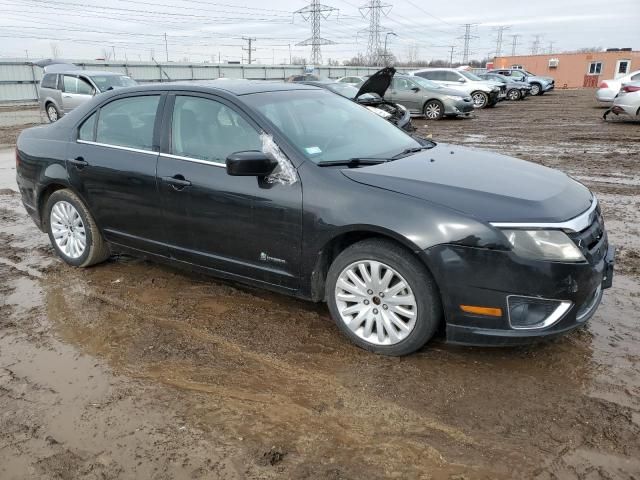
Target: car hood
x: 485, y: 185
x: 377, y: 83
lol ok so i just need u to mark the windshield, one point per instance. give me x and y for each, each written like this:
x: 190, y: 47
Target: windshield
x: 328, y: 127
x: 104, y: 82
x: 343, y: 89
x: 423, y: 82
x: 469, y: 75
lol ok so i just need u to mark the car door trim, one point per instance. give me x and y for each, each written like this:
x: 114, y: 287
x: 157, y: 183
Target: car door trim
x: 118, y: 147
x: 194, y: 160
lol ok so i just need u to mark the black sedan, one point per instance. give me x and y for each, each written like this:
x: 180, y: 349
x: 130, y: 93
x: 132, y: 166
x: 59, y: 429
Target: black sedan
x: 514, y: 90
x: 296, y: 189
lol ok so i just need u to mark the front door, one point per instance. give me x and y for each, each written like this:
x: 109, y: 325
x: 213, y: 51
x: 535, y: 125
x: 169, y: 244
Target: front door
x: 75, y: 91
x: 243, y: 226
x: 112, y: 165
x: 402, y: 93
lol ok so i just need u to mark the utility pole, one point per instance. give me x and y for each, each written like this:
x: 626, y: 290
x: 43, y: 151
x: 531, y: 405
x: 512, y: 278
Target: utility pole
x: 289, y: 54
x: 374, y: 9
x: 26, y: 52
x: 249, y: 49
x: 514, y: 44
x: 500, y: 29
x: 467, y: 40
x: 386, y: 55
x: 166, y: 48
x: 535, y: 45
x: 113, y: 49
x: 314, y: 13
x: 451, y: 49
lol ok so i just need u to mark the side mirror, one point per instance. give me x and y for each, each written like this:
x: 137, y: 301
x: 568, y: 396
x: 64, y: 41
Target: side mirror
x: 415, y: 89
x: 461, y: 80
x: 251, y: 163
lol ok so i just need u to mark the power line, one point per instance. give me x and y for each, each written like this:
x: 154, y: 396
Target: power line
x: 314, y: 13
x: 374, y: 9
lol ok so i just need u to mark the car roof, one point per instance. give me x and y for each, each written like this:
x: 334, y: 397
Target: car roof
x: 88, y: 73
x: 234, y: 87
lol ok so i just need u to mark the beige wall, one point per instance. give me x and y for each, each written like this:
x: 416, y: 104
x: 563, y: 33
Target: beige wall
x: 573, y: 69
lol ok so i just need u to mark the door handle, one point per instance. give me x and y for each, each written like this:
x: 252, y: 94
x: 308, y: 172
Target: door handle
x: 67, y: 96
x: 178, y: 182
x: 79, y: 162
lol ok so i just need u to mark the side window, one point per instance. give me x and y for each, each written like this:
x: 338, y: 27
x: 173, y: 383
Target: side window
x: 49, y: 81
x: 86, y: 130
x: 452, y: 77
x: 517, y: 74
x: 402, y: 84
x: 84, y: 87
x: 205, y: 129
x: 128, y: 122
x: 70, y: 84
x: 428, y: 75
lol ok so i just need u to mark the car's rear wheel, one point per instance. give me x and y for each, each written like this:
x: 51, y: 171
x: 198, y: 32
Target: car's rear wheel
x: 52, y: 113
x: 480, y: 99
x: 513, y: 94
x: 382, y: 298
x: 536, y: 89
x: 72, y: 231
x: 433, y: 110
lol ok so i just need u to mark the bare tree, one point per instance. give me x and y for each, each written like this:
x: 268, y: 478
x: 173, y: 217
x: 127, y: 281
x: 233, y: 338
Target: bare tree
x: 55, y: 50
x: 106, y: 54
x: 298, y: 61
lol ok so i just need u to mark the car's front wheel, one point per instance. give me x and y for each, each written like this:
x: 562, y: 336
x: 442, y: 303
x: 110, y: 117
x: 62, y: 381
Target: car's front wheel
x: 480, y: 99
x: 72, y: 231
x: 383, y: 298
x: 536, y: 89
x: 513, y: 94
x: 52, y: 113
x: 433, y: 110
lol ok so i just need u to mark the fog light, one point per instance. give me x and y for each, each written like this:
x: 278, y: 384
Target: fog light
x: 531, y: 312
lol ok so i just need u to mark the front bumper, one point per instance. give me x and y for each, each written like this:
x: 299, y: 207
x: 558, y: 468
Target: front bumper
x: 458, y: 107
x: 548, y: 87
x: 478, y: 276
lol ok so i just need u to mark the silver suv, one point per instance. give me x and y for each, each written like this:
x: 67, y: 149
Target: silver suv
x: 484, y: 93
x: 63, y: 90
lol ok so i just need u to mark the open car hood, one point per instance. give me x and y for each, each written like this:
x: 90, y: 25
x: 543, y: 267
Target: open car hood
x: 378, y: 83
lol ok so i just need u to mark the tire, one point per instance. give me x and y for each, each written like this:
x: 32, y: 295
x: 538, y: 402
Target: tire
x: 67, y: 218
x: 375, y: 325
x: 433, y: 110
x: 514, y: 94
x: 536, y: 89
x: 53, y: 115
x: 480, y: 99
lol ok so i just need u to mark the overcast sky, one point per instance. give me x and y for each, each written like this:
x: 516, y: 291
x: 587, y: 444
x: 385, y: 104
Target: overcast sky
x: 200, y: 30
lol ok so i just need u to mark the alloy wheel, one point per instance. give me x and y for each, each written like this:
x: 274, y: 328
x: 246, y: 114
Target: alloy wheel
x: 535, y: 89
x: 68, y: 229
x: 52, y: 113
x: 479, y: 100
x: 432, y: 111
x: 514, y: 94
x: 375, y: 302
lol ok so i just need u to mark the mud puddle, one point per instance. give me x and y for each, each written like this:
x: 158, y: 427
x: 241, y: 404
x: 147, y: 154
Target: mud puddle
x: 135, y: 370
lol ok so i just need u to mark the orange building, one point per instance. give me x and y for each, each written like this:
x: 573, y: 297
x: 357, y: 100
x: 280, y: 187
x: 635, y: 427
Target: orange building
x: 576, y: 70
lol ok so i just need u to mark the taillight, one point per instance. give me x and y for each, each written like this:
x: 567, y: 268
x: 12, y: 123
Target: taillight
x: 603, y: 85
x: 631, y: 88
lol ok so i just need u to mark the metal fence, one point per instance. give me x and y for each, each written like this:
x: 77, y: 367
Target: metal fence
x: 19, y: 80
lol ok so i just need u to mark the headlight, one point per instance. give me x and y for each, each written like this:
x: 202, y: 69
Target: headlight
x: 552, y: 245
x: 453, y: 97
x: 380, y: 112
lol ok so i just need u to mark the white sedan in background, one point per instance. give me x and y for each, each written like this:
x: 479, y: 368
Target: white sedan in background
x: 627, y: 102
x: 351, y: 80
x: 608, y: 89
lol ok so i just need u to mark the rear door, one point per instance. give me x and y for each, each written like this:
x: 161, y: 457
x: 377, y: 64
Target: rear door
x: 75, y: 91
x: 112, y: 165
x: 240, y: 225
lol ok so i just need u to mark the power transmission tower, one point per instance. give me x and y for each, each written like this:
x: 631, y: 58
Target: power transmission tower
x: 374, y: 10
x: 514, y: 44
x: 249, y: 49
x: 535, y: 45
x: 551, y: 42
x: 467, y: 40
x: 500, y: 29
x: 314, y: 13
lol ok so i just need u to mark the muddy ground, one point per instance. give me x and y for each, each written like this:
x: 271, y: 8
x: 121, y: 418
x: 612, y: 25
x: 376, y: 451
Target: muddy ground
x: 136, y: 370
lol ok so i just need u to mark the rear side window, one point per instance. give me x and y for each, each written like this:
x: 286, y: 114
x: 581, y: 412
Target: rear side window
x: 50, y: 80
x: 430, y: 75
x: 86, y: 130
x: 128, y: 122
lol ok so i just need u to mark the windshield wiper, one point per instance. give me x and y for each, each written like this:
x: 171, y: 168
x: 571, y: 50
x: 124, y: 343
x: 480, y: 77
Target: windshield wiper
x: 352, y: 162
x: 408, y: 151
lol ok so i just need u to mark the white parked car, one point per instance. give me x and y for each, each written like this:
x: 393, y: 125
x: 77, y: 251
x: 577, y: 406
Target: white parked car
x: 627, y: 102
x: 608, y: 89
x: 351, y: 79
